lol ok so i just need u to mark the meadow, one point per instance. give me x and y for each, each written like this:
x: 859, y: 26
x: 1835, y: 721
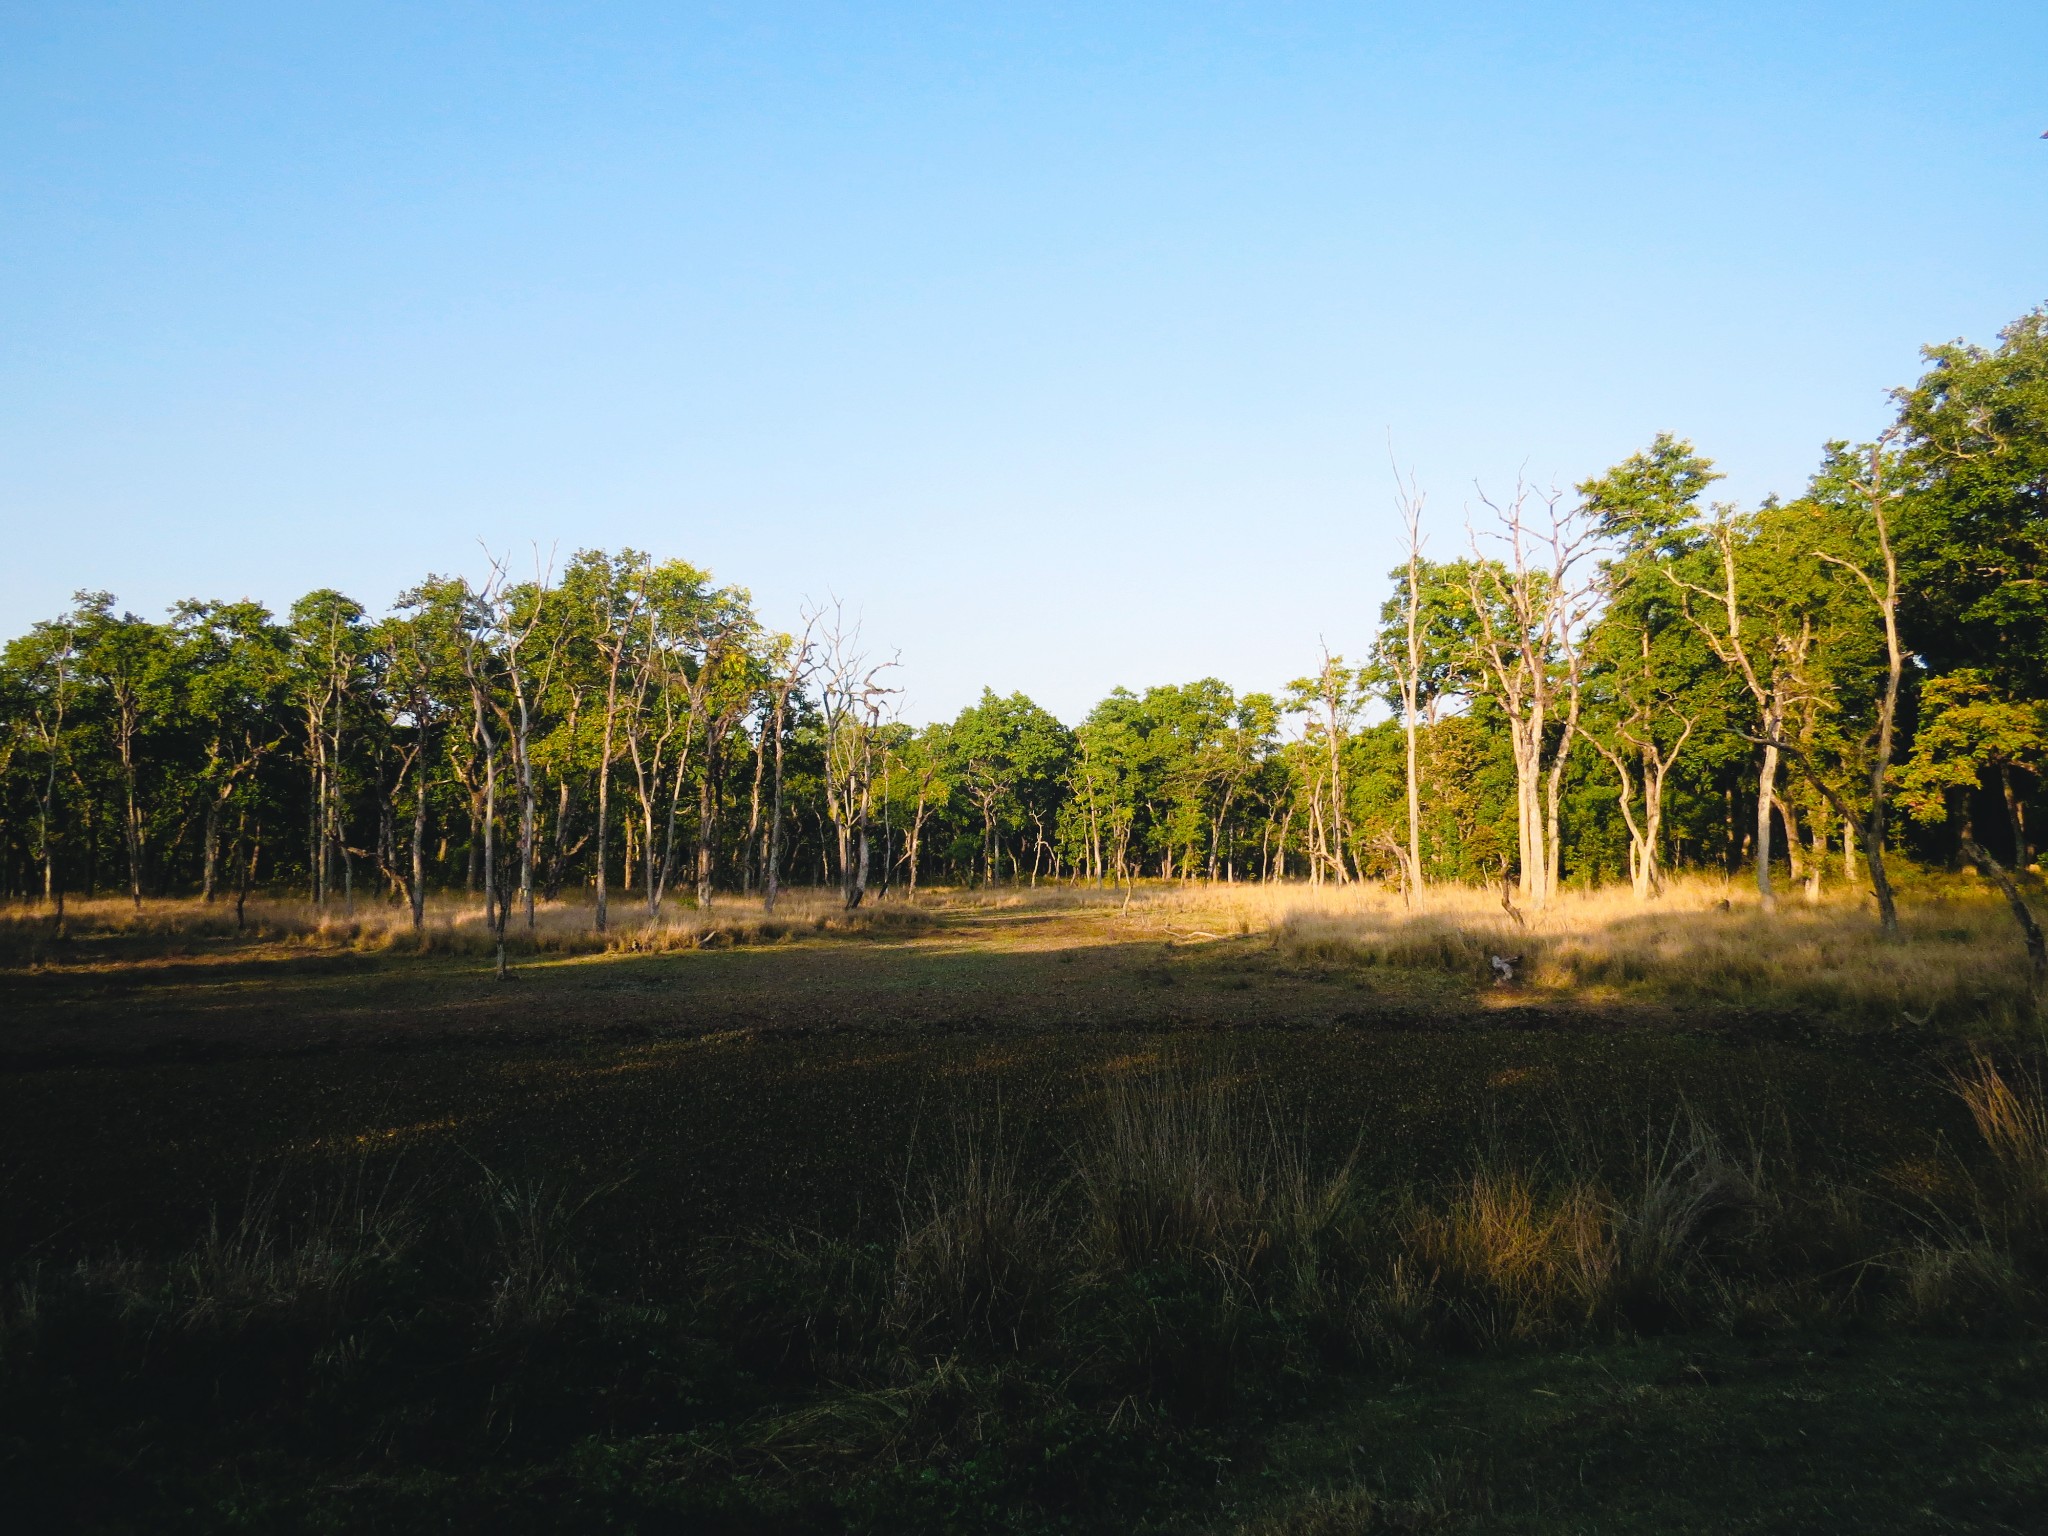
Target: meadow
x: 1233, y: 1209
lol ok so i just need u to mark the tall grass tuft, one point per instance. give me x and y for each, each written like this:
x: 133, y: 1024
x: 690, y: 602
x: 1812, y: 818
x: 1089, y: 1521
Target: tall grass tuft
x: 1178, y: 1172
x: 2011, y: 1116
x: 270, y: 1262
x: 1687, y: 1191
x: 534, y: 1248
x: 1514, y: 1262
x: 978, y: 1249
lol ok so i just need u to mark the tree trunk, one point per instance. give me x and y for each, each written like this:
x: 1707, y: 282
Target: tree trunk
x: 2014, y: 818
x: 526, y: 813
x: 707, y: 820
x: 1816, y: 856
x: 2030, y: 931
x: 1880, y: 880
x: 1766, y: 792
x: 771, y: 883
x: 1653, y: 822
x: 245, y: 870
x: 417, y: 895
x: 210, y: 850
x: 1794, y: 870
x: 753, y: 859
x: 132, y: 826
x: 604, y: 794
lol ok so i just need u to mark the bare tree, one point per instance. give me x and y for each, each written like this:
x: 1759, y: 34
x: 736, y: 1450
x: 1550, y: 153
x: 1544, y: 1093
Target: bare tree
x: 408, y: 676
x: 57, y: 682
x: 482, y: 620
x: 1783, y: 681
x: 1408, y: 671
x: 1328, y: 694
x: 796, y: 656
x: 1636, y: 737
x: 1529, y: 609
x: 327, y: 682
x: 622, y: 595
x: 722, y: 696
x: 514, y: 617
x: 1868, y: 821
x: 1771, y: 687
x: 851, y: 699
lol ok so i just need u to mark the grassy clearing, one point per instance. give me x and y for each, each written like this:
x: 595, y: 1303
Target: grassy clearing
x: 1703, y: 943
x: 1048, y: 1213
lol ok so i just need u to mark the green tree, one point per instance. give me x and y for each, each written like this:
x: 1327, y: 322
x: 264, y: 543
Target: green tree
x: 125, y: 660
x: 328, y: 645
x: 41, y: 671
x: 1009, y: 758
x: 1651, y: 677
x: 1973, y: 528
x: 234, y: 663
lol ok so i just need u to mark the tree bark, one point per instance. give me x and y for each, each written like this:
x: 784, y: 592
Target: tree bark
x: 2014, y: 817
x: 2030, y: 931
x: 1766, y: 792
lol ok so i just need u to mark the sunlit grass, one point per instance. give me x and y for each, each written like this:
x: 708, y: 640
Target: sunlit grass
x: 1957, y: 961
x: 186, y: 927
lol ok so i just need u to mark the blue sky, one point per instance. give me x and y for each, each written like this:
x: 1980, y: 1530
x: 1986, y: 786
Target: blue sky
x: 1063, y: 342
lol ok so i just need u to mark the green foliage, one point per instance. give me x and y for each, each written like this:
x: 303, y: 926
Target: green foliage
x: 1967, y: 729
x: 1973, y: 534
x: 353, y: 757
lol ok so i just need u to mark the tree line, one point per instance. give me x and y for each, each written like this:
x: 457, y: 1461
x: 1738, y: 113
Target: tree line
x: 1604, y: 684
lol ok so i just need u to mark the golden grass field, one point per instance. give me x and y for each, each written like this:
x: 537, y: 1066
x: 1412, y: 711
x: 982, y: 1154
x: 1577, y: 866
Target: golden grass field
x: 1703, y: 942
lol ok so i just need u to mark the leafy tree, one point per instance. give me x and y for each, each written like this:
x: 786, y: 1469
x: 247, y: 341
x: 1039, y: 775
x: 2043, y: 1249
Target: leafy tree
x: 1973, y: 529
x: 1009, y: 758
x: 1652, y: 679
x: 234, y: 664
x: 125, y: 661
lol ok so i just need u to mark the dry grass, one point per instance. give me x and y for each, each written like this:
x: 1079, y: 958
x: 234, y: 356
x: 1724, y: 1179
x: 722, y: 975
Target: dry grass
x: 1956, y: 963
x: 1184, y: 1172
x: 977, y: 1250
x: 178, y: 927
x: 1515, y: 1263
x: 269, y: 1261
x: 2011, y: 1115
x: 1449, y: 1494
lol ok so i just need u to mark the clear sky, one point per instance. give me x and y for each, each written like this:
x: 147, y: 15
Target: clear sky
x: 1064, y: 342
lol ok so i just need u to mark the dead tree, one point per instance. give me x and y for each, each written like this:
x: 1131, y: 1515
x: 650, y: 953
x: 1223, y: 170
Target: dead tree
x: 851, y: 698
x: 1529, y: 610
x: 614, y: 630
x: 1408, y: 673
x: 797, y: 658
x: 512, y: 631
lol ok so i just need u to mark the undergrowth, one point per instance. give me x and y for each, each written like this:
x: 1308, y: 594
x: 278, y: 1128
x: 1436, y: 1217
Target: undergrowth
x: 1065, y: 1336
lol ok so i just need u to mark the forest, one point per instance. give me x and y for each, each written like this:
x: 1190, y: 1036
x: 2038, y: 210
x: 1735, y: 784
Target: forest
x: 1571, y: 689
